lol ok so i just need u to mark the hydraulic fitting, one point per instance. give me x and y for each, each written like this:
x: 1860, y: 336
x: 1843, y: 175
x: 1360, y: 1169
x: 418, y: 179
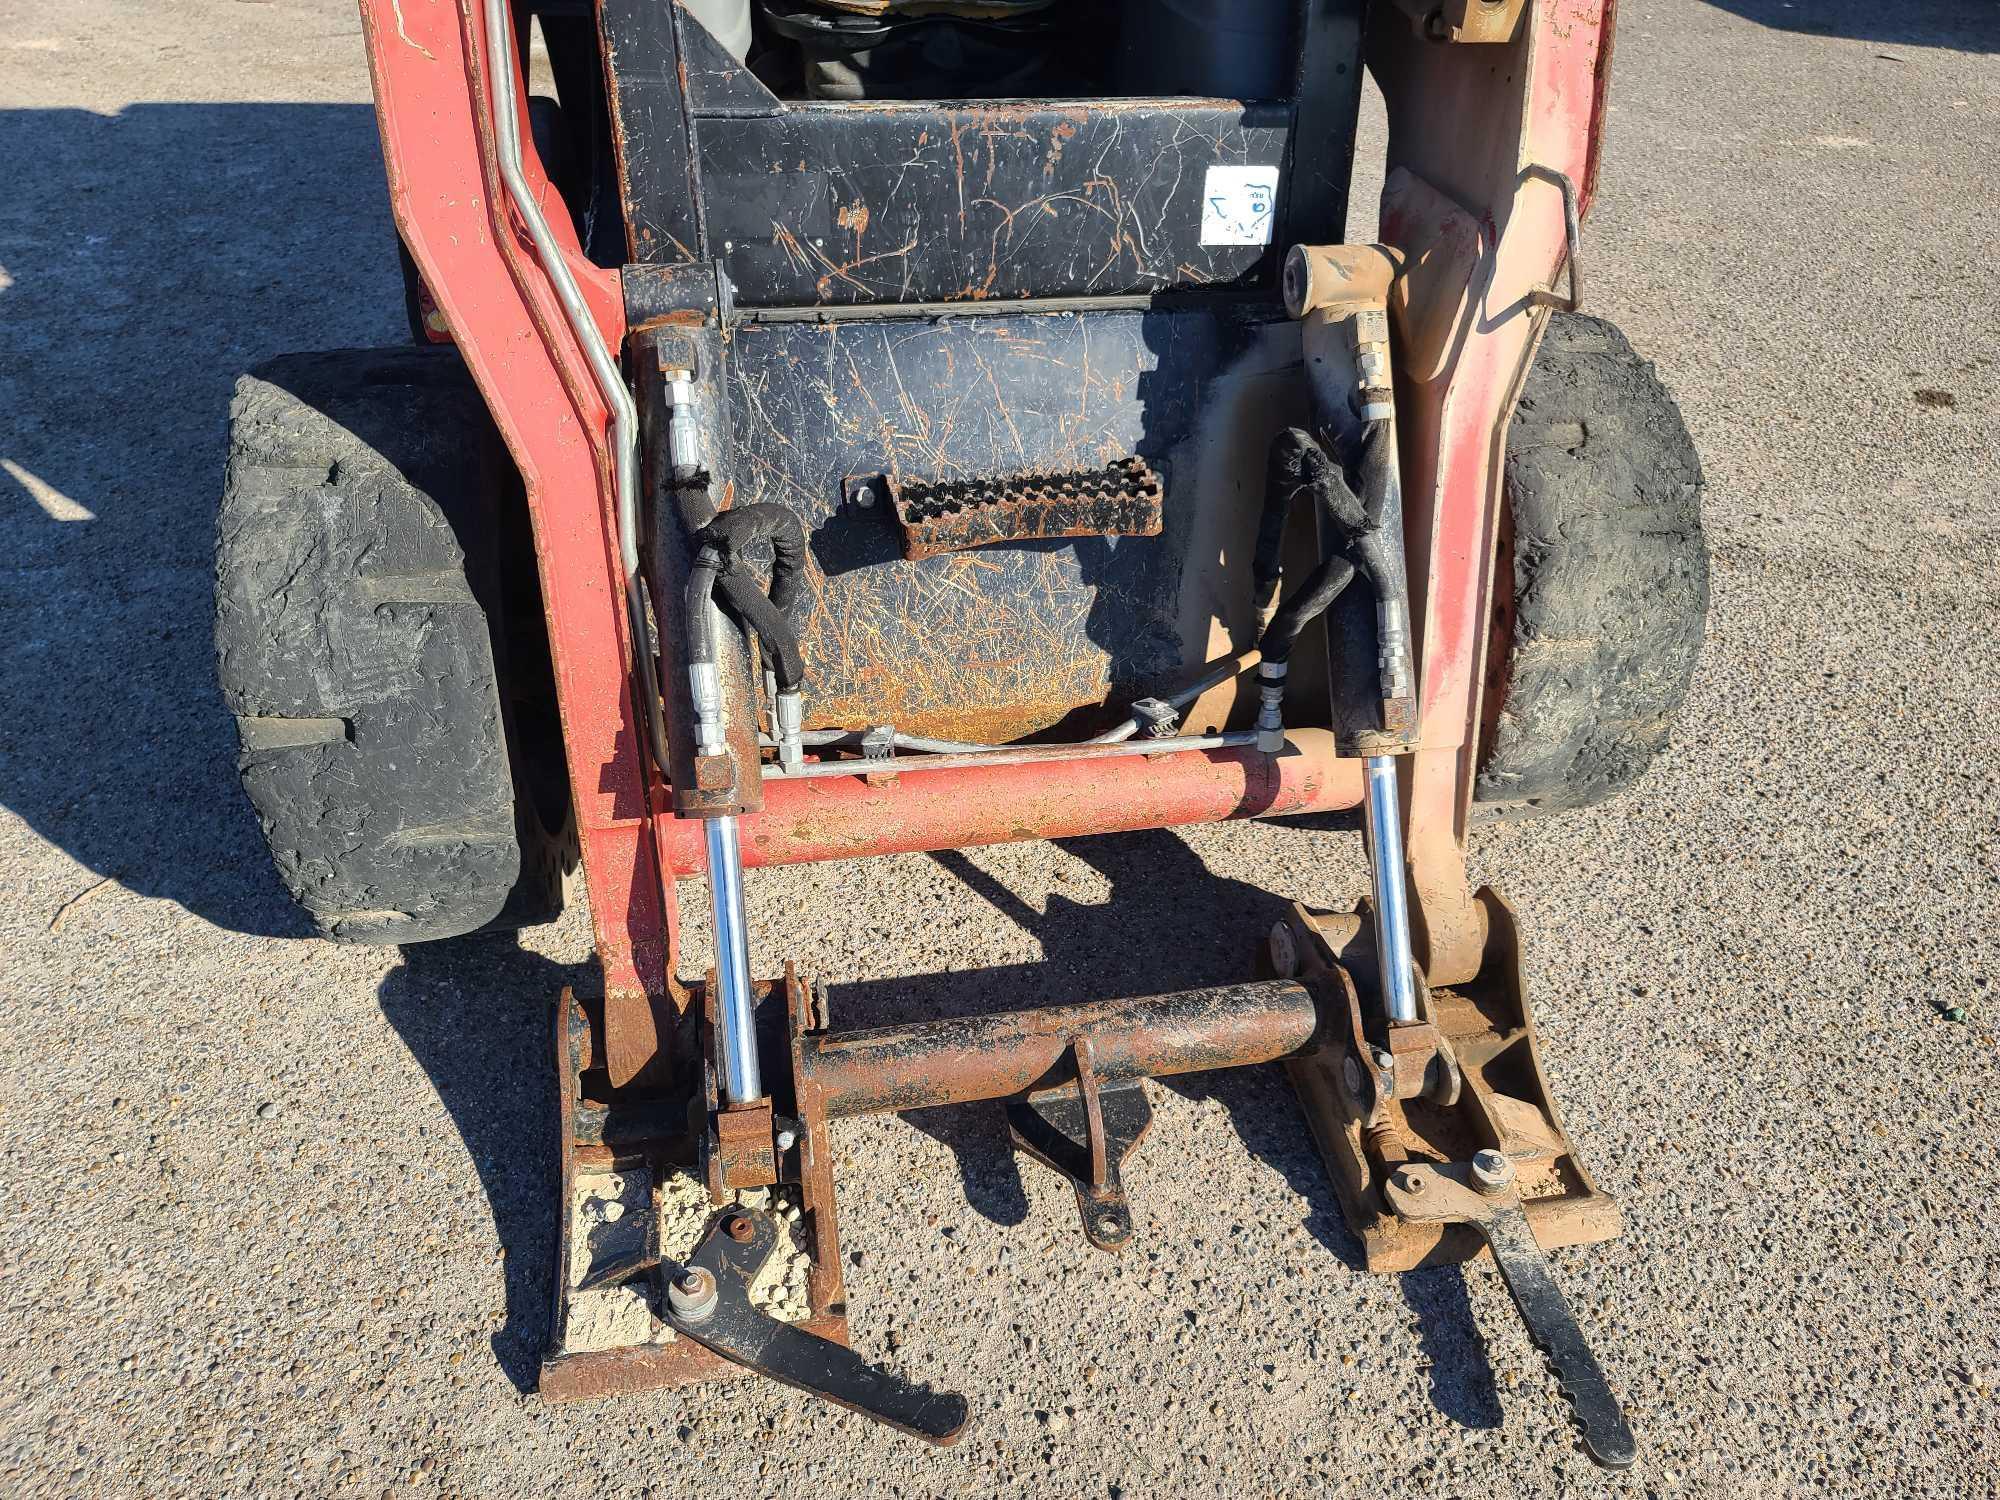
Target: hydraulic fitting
x: 705, y: 686
x: 790, y: 715
x: 1392, y: 649
x: 1271, y: 709
x: 1158, y: 719
x: 683, y: 426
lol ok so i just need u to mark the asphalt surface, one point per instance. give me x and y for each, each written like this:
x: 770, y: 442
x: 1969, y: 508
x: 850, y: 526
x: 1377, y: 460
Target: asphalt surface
x: 280, y: 1215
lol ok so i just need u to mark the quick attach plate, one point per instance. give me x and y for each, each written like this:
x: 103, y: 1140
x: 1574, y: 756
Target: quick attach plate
x: 1503, y: 1101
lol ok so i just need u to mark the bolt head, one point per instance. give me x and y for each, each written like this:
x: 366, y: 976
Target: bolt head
x: 787, y: 1139
x: 1492, y: 1172
x: 1350, y: 1074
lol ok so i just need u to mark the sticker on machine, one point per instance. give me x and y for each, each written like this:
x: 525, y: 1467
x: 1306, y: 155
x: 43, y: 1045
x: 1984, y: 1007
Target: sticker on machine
x: 1238, y: 205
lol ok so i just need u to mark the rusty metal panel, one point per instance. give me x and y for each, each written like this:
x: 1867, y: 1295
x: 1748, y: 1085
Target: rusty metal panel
x: 1010, y: 639
x: 824, y: 203
x: 902, y: 203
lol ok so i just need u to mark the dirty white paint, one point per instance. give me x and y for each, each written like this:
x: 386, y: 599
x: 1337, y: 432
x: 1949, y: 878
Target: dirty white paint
x: 607, y: 1219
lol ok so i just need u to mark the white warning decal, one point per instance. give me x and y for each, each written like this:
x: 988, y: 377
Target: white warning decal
x: 1238, y: 204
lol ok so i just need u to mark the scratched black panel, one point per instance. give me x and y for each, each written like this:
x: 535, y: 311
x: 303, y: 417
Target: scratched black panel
x: 842, y: 203
x: 1002, y: 641
x: 1321, y: 164
x: 650, y: 131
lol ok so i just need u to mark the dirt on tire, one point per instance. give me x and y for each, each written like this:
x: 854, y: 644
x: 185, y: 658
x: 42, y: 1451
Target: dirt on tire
x: 360, y: 643
x: 1602, y: 581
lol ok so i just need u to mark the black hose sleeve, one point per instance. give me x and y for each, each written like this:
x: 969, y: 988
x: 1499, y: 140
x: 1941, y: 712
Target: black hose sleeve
x: 774, y: 629
x: 1325, y: 585
x: 1377, y: 544
x: 1283, y: 478
x: 734, y: 531
x: 1300, y: 463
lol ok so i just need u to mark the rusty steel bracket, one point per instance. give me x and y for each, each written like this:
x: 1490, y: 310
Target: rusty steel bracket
x: 708, y: 1301
x: 1486, y: 1195
x: 1124, y: 498
x: 1368, y: 1122
x: 1474, y: 21
x: 1084, y: 1133
x: 742, y: 1146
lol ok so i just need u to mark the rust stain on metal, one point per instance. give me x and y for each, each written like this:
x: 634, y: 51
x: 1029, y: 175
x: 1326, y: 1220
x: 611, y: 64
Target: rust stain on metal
x: 998, y: 1056
x: 1121, y: 499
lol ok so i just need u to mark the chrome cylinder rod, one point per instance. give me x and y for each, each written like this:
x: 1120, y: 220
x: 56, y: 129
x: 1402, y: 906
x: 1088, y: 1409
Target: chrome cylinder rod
x: 742, y: 1081
x: 1391, y: 896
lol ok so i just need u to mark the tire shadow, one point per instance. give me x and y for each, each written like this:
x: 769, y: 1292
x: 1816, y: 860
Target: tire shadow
x: 147, y: 257
x: 1914, y: 23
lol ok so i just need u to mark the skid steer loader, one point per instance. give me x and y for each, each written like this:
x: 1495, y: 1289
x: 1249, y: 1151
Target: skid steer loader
x: 845, y: 427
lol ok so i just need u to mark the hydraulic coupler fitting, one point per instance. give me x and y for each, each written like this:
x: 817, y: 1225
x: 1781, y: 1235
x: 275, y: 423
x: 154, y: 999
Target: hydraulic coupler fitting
x: 705, y: 686
x: 683, y: 426
x: 1271, y: 709
x: 790, y: 715
x: 1392, y: 650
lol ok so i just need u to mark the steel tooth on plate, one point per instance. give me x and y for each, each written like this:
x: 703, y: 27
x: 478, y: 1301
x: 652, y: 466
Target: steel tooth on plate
x: 1607, y: 1436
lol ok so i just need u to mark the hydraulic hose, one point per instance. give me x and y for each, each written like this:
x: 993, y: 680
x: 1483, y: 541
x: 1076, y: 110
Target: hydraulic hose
x: 1323, y: 585
x: 700, y: 591
x: 722, y: 562
x: 774, y: 629
x: 1299, y: 463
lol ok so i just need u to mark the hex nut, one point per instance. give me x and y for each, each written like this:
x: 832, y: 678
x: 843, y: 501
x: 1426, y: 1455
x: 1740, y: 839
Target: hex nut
x: 1492, y: 1172
x: 691, y: 1294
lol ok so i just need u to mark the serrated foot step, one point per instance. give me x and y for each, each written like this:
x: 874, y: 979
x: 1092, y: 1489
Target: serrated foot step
x: 1124, y: 498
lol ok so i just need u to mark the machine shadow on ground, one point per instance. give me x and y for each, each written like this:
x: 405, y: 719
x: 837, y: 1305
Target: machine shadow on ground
x: 478, y: 1015
x: 1915, y: 23
x: 1169, y: 924
x: 147, y: 259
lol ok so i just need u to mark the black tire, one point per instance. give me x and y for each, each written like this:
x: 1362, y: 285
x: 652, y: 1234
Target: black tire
x: 1602, y: 582
x: 378, y: 635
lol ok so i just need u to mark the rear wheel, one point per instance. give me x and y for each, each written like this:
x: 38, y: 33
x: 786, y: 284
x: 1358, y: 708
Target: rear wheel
x: 1601, y: 587
x: 379, y: 638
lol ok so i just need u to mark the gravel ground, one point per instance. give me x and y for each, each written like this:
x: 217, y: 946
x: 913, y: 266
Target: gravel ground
x: 281, y: 1215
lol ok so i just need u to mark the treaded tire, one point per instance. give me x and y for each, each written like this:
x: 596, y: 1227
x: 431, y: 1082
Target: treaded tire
x: 1596, y: 638
x: 369, y: 614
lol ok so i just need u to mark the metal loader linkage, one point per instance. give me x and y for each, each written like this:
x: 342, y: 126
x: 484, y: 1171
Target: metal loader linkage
x: 960, y: 366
